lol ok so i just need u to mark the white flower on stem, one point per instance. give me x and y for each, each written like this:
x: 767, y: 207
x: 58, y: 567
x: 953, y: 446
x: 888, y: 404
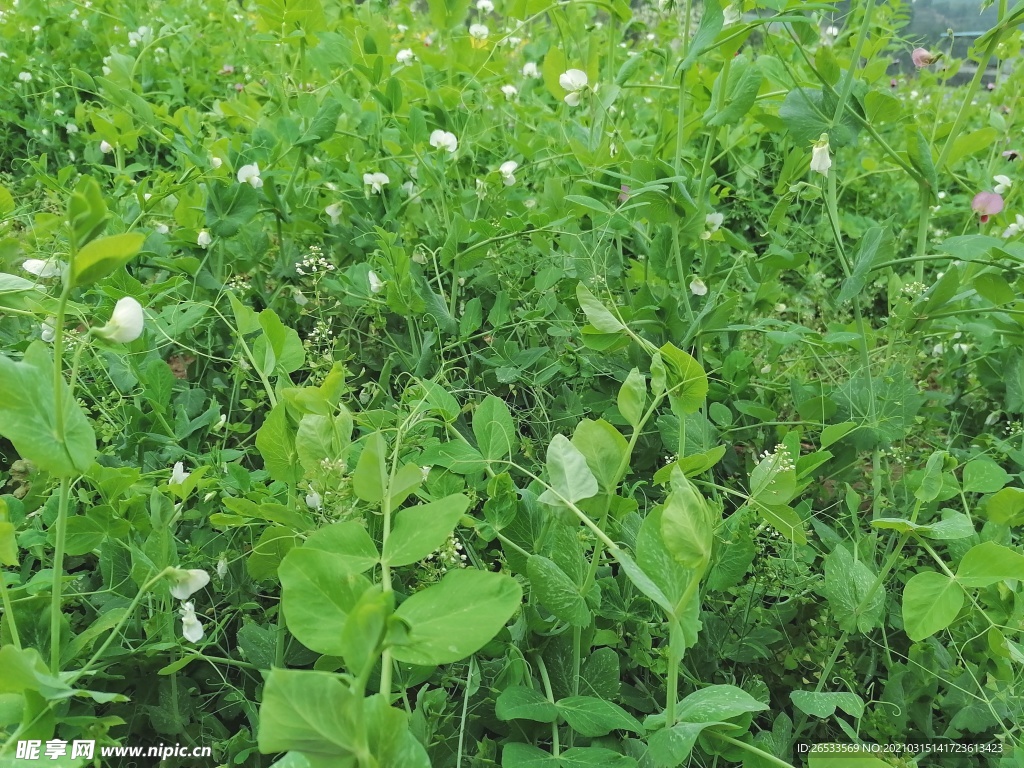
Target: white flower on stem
x: 222, y: 567
x: 1003, y: 184
x: 484, y: 6
x: 178, y: 474
x: 215, y: 162
x: 47, y: 330
x: 106, y: 147
x: 185, y: 583
x: 698, y: 288
x: 510, y: 91
x: 126, y: 322
x: 444, y: 140
x: 376, y: 284
x: 479, y: 31
x: 191, y: 628
x: 250, y: 174
x: 507, y: 171
x: 71, y: 128
x: 1015, y: 227
x: 162, y: 229
x: 375, y: 181
x: 405, y: 56
x: 820, y: 159
x: 203, y: 239
x: 712, y: 223
x: 575, y: 82
x: 314, y: 500
x: 44, y: 268
x: 25, y: 77
x: 409, y: 189
x: 530, y: 69
x: 334, y: 211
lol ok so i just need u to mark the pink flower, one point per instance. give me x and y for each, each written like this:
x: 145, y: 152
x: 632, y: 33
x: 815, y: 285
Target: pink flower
x: 623, y: 193
x: 239, y: 87
x: 893, y: 83
x: 991, y: 86
x: 987, y: 204
x: 922, y: 57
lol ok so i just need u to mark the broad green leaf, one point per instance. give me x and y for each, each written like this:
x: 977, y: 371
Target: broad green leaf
x: 364, y: 628
x: 8, y: 544
x: 686, y: 525
x: 568, y: 473
x: 784, y: 519
x: 348, y: 543
x: 741, y: 92
x: 835, y: 432
x: 1006, y: 507
x: 494, y: 429
x: 686, y: 381
x: 931, y: 601
x: 440, y: 400
x: 931, y: 483
x: 370, y: 478
x: 711, y: 23
x: 309, y: 711
x: 318, y: 591
x: 984, y: 476
x: 632, y: 397
x: 876, y: 244
x: 989, y: 563
x: 670, y: 747
x: 597, y: 314
x: 275, y: 441
x: 456, y: 617
x: 591, y: 717
x: 847, y: 584
x: 87, y: 211
x: 323, y: 124
x: 520, y: 703
x: 420, y: 530
x: 557, y: 592
x: 824, y: 703
x: 445, y: 14
x: 717, y: 703
x: 28, y: 410
x: 265, y: 558
x: 605, y: 449
x: 102, y: 256
x: 595, y: 757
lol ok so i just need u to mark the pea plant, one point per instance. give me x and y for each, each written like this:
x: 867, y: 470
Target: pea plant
x: 520, y: 383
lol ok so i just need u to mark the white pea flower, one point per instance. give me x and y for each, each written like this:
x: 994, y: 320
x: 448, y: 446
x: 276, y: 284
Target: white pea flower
x: 44, y: 268
x: 698, y: 288
x: 510, y: 91
x: 1015, y: 227
x: 106, y: 147
x: 191, y: 628
x: 222, y: 567
x: 444, y: 140
x: 820, y: 159
x: 47, y: 330
x: 334, y: 211
x: 376, y: 284
x: 186, y: 583
x: 484, y: 6
x: 314, y: 500
x: 71, y: 128
x: 178, y: 474
x: 712, y: 223
x: 479, y: 31
x: 25, y: 77
x: 375, y: 181
x: 215, y: 162
x: 203, y: 239
x: 405, y: 56
x: 507, y: 171
x: 530, y: 69
x: 574, y: 81
x: 162, y: 229
x: 126, y: 322
x: 250, y: 174
x: 409, y: 189
x: 1003, y: 184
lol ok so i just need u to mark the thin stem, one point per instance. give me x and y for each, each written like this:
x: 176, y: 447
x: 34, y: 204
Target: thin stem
x: 767, y: 756
x: 5, y: 600
x: 555, y: 748
x: 58, y: 574
x: 862, y: 36
x: 958, y: 123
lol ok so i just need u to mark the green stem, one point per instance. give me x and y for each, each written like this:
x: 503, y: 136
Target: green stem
x: 961, y: 116
x: 555, y: 748
x: 862, y: 37
x: 58, y: 574
x: 672, y: 679
x: 766, y: 756
x: 5, y: 600
x: 922, y: 231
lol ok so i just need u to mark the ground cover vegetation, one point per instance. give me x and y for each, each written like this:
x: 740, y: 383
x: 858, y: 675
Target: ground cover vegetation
x: 518, y: 383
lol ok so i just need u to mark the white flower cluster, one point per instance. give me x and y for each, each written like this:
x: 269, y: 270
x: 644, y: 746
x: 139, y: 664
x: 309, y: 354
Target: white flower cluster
x: 780, y: 457
x: 184, y: 584
x: 314, y: 262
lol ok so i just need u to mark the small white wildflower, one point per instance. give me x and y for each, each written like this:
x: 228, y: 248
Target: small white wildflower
x: 334, y: 211
x: 126, y: 322
x: 1003, y: 184
x: 820, y: 160
x: 375, y: 181
x: 314, y: 500
x: 1015, y: 227
x: 71, y: 128
x: 250, y: 174
x: 185, y: 583
x: 216, y: 162
x: 222, y: 567
x: 484, y: 6
x: 510, y: 91
x: 178, y: 474
x: 698, y: 287
x: 162, y: 229
x: 479, y: 31
x: 712, y: 223
x: 106, y: 147
x: 47, y: 330
x: 203, y: 239
x: 574, y: 81
x: 376, y: 284
x: 507, y: 171
x: 25, y: 77
x: 405, y: 56
x: 530, y: 69
x: 191, y: 628
x: 444, y: 140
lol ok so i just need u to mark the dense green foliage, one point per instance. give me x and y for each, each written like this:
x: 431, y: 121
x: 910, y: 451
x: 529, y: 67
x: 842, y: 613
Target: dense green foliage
x: 541, y: 385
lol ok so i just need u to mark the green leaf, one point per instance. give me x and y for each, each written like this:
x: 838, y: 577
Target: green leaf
x: 931, y: 601
x: 311, y: 712
x: 989, y: 563
x: 931, y: 482
x: 348, y: 543
x: 597, y: 314
x: 420, y: 530
x: 477, y: 603
x: 28, y: 411
x: 823, y: 703
x: 568, y: 473
x: 594, y: 757
x: 711, y: 23
x: 809, y: 112
x: 984, y: 476
x: 8, y: 544
x: 364, y: 628
x: 632, y: 397
x: 1006, y: 506
x: 557, y: 592
x: 881, y: 107
x: 519, y: 755
x: 370, y: 478
x: 605, y: 450
x: 919, y: 152
x: 685, y: 379
x: 717, y: 703
x: 741, y: 92
x: 102, y: 256
x: 847, y: 583
x: 87, y: 211
x: 275, y: 441
x: 686, y: 525
x: 323, y: 124
x: 876, y: 244
x: 445, y: 14
x: 318, y: 591
x: 840, y: 756
x: 670, y: 747
x: 835, y: 432
x: 591, y: 717
x: 520, y: 703
x: 494, y: 429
